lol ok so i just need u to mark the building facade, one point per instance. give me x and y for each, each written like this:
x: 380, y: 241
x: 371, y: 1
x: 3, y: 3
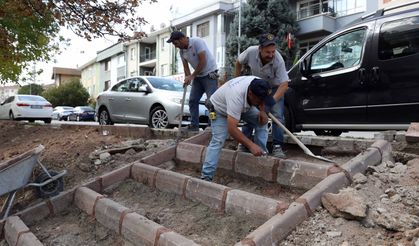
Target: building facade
x: 62, y: 75
x: 8, y: 91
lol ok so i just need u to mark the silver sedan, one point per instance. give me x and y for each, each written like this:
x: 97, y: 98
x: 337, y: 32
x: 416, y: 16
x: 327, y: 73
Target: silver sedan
x: 151, y: 100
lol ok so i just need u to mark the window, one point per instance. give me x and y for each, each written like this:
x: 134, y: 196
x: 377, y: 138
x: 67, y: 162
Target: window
x: 121, y: 86
x: 202, y: 30
x: 132, y: 54
x: 395, y: 41
x: 348, y: 7
x: 107, y: 85
x: 163, y: 43
x: 107, y: 65
x: 121, y: 59
x: 344, y: 51
x: 163, y: 69
x: 134, y: 84
x: 147, y: 52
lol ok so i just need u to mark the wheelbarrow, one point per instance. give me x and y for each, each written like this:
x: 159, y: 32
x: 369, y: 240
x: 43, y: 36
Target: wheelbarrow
x: 16, y: 174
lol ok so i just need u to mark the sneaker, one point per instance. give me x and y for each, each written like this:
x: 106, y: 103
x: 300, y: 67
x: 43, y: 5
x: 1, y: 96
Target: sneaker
x: 242, y: 148
x: 190, y: 128
x: 206, y: 178
x: 277, y: 151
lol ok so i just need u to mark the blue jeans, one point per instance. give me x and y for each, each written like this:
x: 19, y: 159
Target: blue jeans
x: 219, y: 135
x: 200, y: 85
x: 277, y: 133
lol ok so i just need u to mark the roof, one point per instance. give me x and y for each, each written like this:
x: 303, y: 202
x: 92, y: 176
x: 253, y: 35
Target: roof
x: 65, y: 71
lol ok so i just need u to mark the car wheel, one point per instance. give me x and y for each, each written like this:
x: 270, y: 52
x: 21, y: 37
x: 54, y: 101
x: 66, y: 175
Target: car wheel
x: 31, y: 121
x: 47, y: 121
x: 158, y: 118
x: 11, y: 116
x: 104, y: 117
x: 334, y: 133
x: 78, y: 118
x: 51, y: 189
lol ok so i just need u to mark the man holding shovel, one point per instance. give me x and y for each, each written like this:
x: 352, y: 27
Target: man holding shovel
x: 266, y: 62
x: 243, y: 98
x: 194, y: 51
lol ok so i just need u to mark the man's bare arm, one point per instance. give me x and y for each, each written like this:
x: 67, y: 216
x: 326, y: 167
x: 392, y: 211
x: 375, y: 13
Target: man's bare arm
x: 280, y: 92
x: 238, y: 69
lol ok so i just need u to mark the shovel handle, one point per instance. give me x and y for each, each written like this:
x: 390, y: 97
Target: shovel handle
x: 185, y: 88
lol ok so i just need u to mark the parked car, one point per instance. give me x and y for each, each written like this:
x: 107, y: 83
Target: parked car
x: 362, y: 77
x: 62, y: 112
x: 148, y: 100
x: 82, y: 113
x: 26, y: 107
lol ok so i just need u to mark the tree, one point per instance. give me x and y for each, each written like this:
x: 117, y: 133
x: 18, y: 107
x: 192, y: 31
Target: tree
x: 32, y: 89
x: 29, y: 28
x: 69, y: 94
x: 262, y: 16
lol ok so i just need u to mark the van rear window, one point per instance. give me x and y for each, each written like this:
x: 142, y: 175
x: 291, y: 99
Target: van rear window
x: 399, y: 38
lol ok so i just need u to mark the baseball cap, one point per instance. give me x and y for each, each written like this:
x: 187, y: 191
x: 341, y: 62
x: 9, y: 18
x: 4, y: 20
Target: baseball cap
x: 263, y: 90
x: 175, y: 35
x: 267, y: 39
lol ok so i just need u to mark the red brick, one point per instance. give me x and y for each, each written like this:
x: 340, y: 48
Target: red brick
x: 63, y: 200
x: 85, y: 199
x: 385, y: 149
x: 139, y: 230
x: 144, y: 174
x: 108, y: 213
x: 262, y: 167
x: 360, y: 163
x: 190, y: 153
x: 160, y: 157
x: 201, y: 139
x: 17, y: 233
x: 227, y: 159
x: 171, y: 182
x: 300, y: 174
x: 29, y: 239
x: 211, y: 194
x: 174, y: 239
x: 249, y: 204
x: 95, y: 185
x: 35, y: 213
x: 116, y: 176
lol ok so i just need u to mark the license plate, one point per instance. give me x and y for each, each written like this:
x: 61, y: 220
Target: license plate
x: 36, y: 106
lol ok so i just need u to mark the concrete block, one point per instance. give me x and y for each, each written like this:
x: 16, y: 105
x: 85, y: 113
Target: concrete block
x: 85, y: 199
x: 248, y: 204
x: 190, y: 153
x: 400, y: 136
x: 412, y: 134
x: 62, y: 201
x: 227, y: 159
x: 174, y: 239
x: 110, y: 214
x: 276, y: 228
x: 140, y: 230
x: 385, y: 149
x: 171, y: 182
x: 161, y: 157
x: 299, y: 174
x: 116, y: 176
x: 262, y: 167
x: 202, y: 138
x: 95, y: 184
x: 360, y: 163
x: 35, y: 213
x: 211, y: 194
x: 17, y: 233
x: 332, y: 184
x: 144, y: 174
x: 28, y: 239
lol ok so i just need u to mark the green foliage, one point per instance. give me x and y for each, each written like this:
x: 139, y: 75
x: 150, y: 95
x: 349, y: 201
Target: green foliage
x: 258, y: 17
x: 29, y: 28
x: 31, y: 89
x: 69, y: 94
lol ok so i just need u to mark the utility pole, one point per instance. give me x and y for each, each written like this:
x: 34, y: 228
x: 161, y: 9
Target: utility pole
x: 33, y: 77
x: 240, y: 25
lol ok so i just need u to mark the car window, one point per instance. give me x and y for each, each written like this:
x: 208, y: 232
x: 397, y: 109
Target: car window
x: 344, y: 51
x: 135, y: 83
x: 121, y: 86
x: 165, y: 84
x: 31, y: 98
x: 399, y: 38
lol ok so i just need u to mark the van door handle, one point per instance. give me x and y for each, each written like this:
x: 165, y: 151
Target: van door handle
x: 362, y: 76
x: 375, y: 74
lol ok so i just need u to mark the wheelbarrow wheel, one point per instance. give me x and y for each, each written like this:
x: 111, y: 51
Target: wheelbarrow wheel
x: 51, y: 189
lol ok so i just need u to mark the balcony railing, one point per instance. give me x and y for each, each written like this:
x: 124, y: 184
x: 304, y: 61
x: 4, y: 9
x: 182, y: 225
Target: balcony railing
x: 315, y: 9
x: 148, y: 57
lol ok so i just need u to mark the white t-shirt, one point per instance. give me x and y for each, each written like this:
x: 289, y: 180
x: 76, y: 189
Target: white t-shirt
x: 231, y: 98
x: 196, y: 46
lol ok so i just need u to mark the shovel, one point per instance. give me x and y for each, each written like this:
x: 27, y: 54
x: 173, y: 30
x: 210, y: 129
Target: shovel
x: 302, y: 146
x: 179, y: 133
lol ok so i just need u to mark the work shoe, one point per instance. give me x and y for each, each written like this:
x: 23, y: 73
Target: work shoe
x: 277, y: 151
x: 242, y: 148
x: 190, y: 128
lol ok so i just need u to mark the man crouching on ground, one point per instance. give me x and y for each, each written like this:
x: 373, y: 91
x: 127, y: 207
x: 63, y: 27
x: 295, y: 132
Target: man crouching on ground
x: 247, y: 98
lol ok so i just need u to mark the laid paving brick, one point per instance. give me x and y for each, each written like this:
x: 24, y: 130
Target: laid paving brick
x: 174, y: 239
x: 116, y: 176
x: 35, y: 213
x: 86, y: 199
x: 110, y: 214
x: 262, y: 167
x: 144, y: 174
x: 227, y: 159
x: 300, y: 174
x: 28, y: 239
x: 385, y: 149
x: 14, y: 229
x: 172, y: 182
x: 245, y: 203
x: 277, y: 227
x: 156, y: 159
x: 360, y: 163
x: 190, y: 153
x: 211, y: 194
x: 332, y: 184
x: 140, y: 230
x: 62, y: 201
x: 201, y: 139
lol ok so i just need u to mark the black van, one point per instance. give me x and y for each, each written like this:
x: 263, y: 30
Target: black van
x: 363, y: 77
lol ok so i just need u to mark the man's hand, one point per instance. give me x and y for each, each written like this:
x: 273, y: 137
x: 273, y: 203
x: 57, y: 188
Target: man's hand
x: 255, y: 149
x: 263, y: 118
x: 188, y: 80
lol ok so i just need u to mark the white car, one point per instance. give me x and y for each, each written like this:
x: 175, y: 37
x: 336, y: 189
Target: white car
x: 26, y: 107
x: 62, y: 113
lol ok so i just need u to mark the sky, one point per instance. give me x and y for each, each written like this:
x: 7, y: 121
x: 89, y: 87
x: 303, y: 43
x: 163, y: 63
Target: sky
x: 82, y: 51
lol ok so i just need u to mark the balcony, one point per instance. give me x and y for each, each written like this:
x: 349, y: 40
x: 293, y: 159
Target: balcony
x: 316, y: 19
x: 148, y: 56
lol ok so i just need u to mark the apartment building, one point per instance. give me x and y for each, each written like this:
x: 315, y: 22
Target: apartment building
x: 7, y: 91
x: 90, y: 74
x: 62, y: 75
x: 112, y: 65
